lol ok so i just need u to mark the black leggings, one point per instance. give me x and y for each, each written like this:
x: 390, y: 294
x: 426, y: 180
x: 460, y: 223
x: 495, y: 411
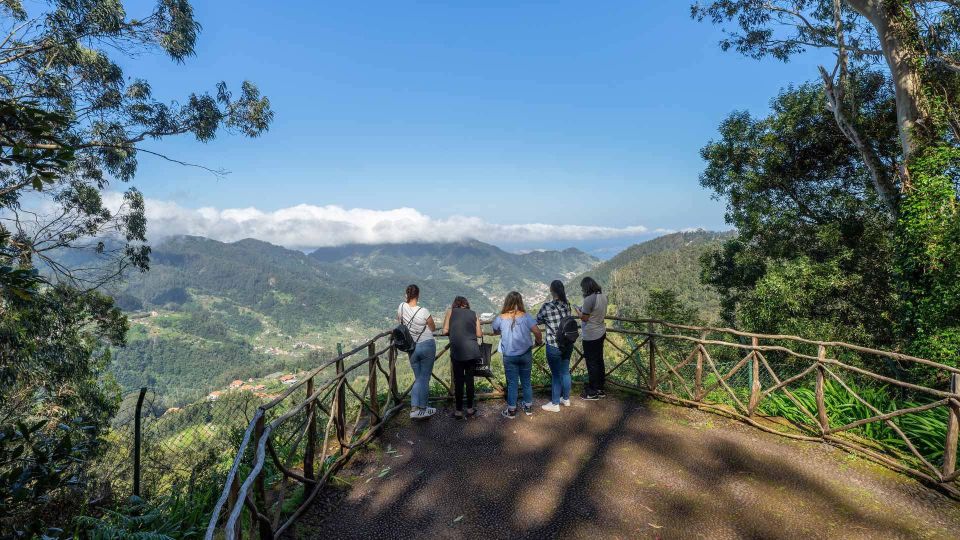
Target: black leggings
x: 593, y: 356
x: 462, y: 374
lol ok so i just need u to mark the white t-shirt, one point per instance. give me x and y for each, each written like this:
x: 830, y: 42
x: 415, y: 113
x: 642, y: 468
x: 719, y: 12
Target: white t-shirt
x: 416, y: 320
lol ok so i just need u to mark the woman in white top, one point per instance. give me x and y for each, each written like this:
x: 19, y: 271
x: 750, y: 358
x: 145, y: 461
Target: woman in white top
x: 421, y: 325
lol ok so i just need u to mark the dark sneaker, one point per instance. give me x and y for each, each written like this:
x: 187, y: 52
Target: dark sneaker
x: 528, y: 409
x: 601, y: 393
x: 507, y: 413
x: 590, y: 397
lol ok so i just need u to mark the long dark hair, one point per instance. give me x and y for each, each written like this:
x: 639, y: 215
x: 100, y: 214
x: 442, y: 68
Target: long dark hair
x: 412, y: 292
x: 460, y: 302
x: 589, y: 286
x: 557, y: 289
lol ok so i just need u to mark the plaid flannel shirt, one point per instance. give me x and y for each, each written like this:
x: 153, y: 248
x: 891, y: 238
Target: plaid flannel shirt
x: 550, y: 315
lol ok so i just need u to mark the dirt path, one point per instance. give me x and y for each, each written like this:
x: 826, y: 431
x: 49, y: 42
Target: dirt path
x: 617, y: 469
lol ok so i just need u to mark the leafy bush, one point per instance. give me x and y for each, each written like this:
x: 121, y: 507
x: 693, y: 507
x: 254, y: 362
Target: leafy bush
x: 181, y: 514
x: 35, y: 463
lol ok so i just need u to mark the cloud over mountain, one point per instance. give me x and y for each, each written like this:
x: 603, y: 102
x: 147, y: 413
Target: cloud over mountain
x: 307, y: 226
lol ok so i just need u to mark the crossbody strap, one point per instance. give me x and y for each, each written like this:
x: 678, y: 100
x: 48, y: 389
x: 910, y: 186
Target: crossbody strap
x: 412, y: 317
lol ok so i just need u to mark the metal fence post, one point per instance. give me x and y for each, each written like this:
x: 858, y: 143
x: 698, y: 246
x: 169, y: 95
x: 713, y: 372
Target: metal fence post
x: 137, y: 441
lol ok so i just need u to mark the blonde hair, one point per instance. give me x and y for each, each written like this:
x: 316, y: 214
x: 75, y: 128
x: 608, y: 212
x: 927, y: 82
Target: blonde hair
x: 513, y: 302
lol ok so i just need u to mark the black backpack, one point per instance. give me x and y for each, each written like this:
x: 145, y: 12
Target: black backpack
x: 402, y: 338
x: 568, y: 330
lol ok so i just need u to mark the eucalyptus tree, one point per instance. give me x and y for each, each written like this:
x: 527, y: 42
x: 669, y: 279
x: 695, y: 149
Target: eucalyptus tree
x: 915, y: 45
x: 62, y: 59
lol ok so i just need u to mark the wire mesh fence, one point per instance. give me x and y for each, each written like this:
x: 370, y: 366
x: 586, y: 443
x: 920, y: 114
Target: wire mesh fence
x: 152, y: 447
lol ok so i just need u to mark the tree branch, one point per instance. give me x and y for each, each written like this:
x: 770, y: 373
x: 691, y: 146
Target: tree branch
x: 881, y: 181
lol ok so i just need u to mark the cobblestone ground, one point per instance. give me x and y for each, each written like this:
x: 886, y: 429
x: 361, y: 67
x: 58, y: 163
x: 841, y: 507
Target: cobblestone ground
x: 617, y: 468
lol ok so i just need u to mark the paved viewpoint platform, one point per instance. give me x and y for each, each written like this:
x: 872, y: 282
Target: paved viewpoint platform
x: 617, y: 468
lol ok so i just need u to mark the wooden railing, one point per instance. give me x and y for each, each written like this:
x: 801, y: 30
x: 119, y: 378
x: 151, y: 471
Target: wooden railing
x: 284, y: 460
x: 738, y: 374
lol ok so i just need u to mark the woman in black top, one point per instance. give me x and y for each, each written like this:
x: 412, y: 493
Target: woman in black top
x: 463, y: 327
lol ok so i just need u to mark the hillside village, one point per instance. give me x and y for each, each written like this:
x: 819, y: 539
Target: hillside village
x: 267, y: 387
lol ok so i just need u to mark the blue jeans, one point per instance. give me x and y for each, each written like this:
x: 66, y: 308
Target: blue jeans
x: 421, y: 361
x: 559, y: 373
x: 518, y: 368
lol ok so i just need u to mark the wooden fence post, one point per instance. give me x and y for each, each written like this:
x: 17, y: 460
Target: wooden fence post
x: 953, y: 427
x: 698, y: 375
x: 259, y: 486
x: 453, y: 382
x: 232, y: 501
x: 652, y: 375
x: 754, y: 378
x: 137, y: 441
x: 340, y: 417
x: 311, y: 449
x: 821, y: 376
x: 392, y: 369
x: 372, y: 383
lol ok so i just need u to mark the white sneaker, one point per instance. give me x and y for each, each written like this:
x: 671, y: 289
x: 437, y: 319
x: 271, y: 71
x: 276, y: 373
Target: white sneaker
x: 415, y: 412
x: 422, y: 414
x: 552, y: 407
x: 565, y: 402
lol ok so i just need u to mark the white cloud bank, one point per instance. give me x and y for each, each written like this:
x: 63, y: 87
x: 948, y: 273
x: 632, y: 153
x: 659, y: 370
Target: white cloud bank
x: 306, y: 226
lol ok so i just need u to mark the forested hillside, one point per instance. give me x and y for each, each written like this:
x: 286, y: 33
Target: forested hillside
x: 486, y: 268
x: 208, y: 312
x: 669, y: 262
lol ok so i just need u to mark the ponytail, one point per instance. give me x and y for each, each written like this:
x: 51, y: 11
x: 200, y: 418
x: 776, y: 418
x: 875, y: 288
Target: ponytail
x: 557, y: 289
x: 412, y: 292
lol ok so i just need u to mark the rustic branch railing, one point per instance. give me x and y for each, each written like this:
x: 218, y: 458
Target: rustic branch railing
x: 683, y: 367
x: 281, y: 460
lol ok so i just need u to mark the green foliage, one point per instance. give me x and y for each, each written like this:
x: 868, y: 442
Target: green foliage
x: 36, y: 463
x: 805, y: 298
x: 928, y: 261
x: 666, y: 305
x: 57, y: 395
x: 812, y: 255
x: 926, y: 430
x: 907, y: 152
x: 181, y: 514
x: 667, y: 262
x: 70, y: 122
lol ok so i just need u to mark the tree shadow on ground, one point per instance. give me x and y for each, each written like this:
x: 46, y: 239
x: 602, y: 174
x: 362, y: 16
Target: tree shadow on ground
x: 614, y: 468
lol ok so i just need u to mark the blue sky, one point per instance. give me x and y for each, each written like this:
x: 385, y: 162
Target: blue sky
x: 508, y: 113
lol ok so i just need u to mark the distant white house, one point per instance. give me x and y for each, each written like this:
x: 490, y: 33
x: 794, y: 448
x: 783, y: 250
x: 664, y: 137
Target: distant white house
x: 486, y: 317
x: 288, y: 379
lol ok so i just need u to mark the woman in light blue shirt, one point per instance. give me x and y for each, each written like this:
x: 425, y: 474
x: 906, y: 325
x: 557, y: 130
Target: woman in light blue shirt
x: 515, y: 325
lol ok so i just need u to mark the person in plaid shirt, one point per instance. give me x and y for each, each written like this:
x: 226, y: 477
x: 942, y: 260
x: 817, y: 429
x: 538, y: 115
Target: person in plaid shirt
x: 559, y: 358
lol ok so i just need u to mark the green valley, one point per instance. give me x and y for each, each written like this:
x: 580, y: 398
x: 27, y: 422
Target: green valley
x: 209, y: 312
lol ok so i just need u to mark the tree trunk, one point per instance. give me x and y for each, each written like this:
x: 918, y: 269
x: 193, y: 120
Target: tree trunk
x: 900, y: 58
